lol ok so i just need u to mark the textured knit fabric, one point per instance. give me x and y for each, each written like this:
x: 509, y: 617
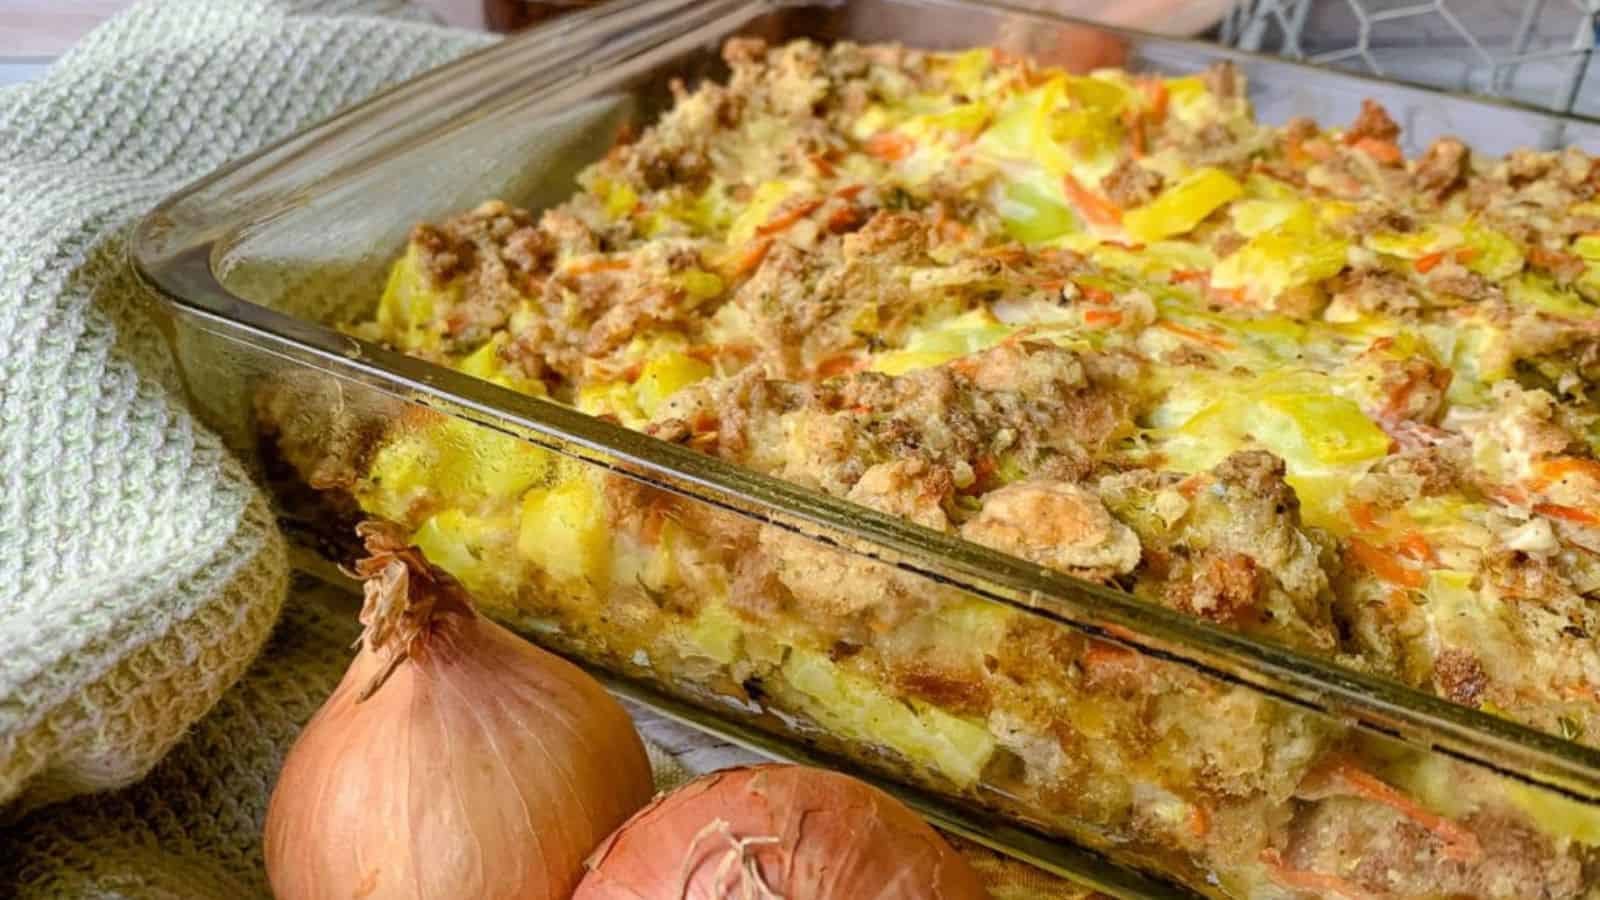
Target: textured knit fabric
x: 139, y: 569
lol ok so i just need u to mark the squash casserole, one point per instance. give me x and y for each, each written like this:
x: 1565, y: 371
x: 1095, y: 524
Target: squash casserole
x: 1279, y: 377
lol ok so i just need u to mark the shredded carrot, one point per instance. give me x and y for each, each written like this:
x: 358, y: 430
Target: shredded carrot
x: 1199, y: 820
x: 1006, y: 253
x: 1318, y: 149
x: 844, y: 218
x: 890, y: 146
x: 1386, y: 152
x: 1107, y: 317
x: 1094, y: 207
x: 849, y: 191
x: 958, y: 230
x: 650, y: 531
x: 595, y: 264
x: 1191, y: 276
x: 1103, y: 653
x: 824, y: 167
x: 1385, y: 564
x: 984, y: 471
x: 1156, y: 94
x: 788, y: 217
x: 1133, y: 121
x: 1095, y: 294
x: 1117, y: 631
x: 966, y: 365
x: 838, y: 364
x: 1235, y: 296
x: 704, y: 421
x: 751, y: 257
x: 1553, y: 470
x: 709, y: 353
x: 1507, y: 495
x: 1195, y: 334
x: 1567, y: 513
x: 1415, y: 546
x: 1465, y: 254
x: 1551, y: 260
x: 1314, y: 883
x: 1460, y: 844
x: 1294, y: 148
x: 1428, y: 262
x: 1363, y: 514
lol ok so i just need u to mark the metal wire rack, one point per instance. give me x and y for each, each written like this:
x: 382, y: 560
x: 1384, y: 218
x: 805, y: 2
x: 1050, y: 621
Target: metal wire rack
x: 1535, y: 51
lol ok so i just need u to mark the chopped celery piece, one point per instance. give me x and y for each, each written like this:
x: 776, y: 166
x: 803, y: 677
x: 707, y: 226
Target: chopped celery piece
x: 451, y: 460
x: 1105, y: 95
x: 699, y: 284
x: 966, y: 118
x: 1042, y: 127
x: 443, y: 539
x: 899, y: 362
x: 462, y: 545
x: 1253, y: 217
x: 1556, y: 815
x: 858, y: 707
x: 1540, y: 292
x: 1181, y: 207
x: 1035, y: 210
x: 1188, y: 99
x: 564, y: 529
x: 1157, y: 259
x: 1308, y: 430
x: 1588, y: 247
x: 486, y: 363
x: 949, y: 339
x: 664, y: 376
x: 1494, y: 256
x: 1414, y: 244
x: 618, y: 197
x: 409, y: 303
x: 613, y: 398
x: 758, y: 211
x: 967, y: 70
x: 1264, y: 187
x: 1293, y: 253
x: 1334, y: 429
x: 716, y: 633
x: 1489, y: 253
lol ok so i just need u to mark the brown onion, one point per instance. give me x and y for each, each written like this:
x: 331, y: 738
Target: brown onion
x: 454, y: 760
x: 777, y: 831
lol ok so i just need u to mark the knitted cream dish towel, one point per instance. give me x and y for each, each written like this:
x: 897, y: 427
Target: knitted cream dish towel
x: 140, y: 570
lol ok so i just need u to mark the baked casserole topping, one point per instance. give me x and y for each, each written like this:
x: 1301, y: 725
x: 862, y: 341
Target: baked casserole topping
x: 1282, y: 378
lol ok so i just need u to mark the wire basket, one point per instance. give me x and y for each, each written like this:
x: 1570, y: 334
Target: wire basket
x: 1536, y: 51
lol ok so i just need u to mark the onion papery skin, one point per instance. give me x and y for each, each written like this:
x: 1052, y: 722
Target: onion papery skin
x: 482, y: 768
x: 809, y: 834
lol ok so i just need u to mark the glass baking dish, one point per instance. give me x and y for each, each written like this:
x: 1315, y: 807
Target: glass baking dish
x: 1032, y: 711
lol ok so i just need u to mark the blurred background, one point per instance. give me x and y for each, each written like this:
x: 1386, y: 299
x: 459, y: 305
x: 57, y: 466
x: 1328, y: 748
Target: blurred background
x: 1532, y: 51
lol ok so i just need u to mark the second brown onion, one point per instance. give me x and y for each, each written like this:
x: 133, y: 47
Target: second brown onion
x: 777, y: 831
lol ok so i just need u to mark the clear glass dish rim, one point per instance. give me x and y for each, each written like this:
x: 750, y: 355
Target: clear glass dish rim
x: 187, y: 285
